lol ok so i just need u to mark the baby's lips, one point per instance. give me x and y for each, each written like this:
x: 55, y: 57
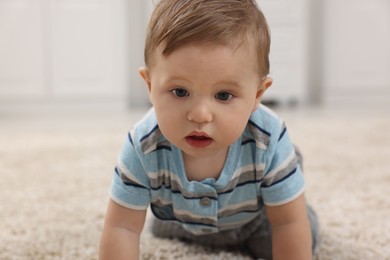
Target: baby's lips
x: 198, y: 141
x: 198, y: 137
x: 199, y: 134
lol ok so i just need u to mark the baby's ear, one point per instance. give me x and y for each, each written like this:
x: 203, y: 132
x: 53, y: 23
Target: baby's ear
x: 264, y: 85
x: 145, y: 74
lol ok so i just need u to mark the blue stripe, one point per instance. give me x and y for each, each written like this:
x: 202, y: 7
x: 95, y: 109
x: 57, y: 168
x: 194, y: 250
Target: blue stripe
x: 130, y: 139
x: 259, y: 128
x: 151, y: 132
x: 117, y: 171
x: 284, y: 178
x: 282, y: 134
x: 179, y: 192
x: 185, y: 222
x: 164, y: 147
x: 200, y: 196
x: 247, y: 142
x: 239, y: 185
x: 127, y: 183
x: 173, y: 218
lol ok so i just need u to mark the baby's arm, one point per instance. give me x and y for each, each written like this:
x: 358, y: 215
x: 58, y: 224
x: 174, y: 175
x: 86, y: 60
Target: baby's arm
x: 121, y: 233
x: 291, y: 235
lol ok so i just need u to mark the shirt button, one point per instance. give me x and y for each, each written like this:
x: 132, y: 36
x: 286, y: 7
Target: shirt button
x: 205, y: 202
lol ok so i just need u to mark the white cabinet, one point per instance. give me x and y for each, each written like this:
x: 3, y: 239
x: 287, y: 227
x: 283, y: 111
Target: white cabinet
x: 21, y: 49
x: 357, y: 51
x: 90, y: 50
x: 64, y: 50
x: 82, y: 48
x: 288, y: 21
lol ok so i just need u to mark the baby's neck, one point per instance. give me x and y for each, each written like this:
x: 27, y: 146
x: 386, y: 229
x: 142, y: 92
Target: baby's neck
x: 200, y: 168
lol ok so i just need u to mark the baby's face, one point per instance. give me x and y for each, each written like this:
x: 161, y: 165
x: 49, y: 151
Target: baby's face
x: 203, y: 95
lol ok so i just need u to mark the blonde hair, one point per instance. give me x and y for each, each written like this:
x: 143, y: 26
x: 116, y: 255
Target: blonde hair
x: 175, y: 23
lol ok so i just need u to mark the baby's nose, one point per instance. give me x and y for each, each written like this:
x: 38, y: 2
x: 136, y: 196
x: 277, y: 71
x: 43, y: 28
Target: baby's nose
x: 200, y: 113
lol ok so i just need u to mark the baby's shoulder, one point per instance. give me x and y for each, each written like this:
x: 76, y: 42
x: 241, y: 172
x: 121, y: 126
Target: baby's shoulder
x: 266, y: 121
x: 145, y: 125
x: 146, y: 134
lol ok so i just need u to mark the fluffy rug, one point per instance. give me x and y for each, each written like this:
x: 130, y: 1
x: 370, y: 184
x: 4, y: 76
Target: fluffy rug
x: 55, y: 173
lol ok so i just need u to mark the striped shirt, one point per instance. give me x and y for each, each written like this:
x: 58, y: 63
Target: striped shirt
x: 261, y: 168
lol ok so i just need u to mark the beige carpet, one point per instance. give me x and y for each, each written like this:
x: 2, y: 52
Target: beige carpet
x: 55, y: 173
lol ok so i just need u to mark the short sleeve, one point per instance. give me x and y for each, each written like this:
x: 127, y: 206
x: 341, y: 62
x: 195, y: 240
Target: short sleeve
x: 130, y: 185
x: 283, y: 180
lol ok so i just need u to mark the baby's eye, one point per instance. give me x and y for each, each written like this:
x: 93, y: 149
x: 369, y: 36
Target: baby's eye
x: 180, y: 92
x: 224, y: 96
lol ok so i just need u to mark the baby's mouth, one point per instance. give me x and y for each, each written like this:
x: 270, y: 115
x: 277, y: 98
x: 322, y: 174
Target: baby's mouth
x: 198, y: 140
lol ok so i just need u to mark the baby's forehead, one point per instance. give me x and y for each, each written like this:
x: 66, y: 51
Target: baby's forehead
x: 206, y: 53
x: 235, y: 44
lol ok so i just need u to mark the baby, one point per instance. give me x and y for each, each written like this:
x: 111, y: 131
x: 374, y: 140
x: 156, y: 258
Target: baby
x: 215, y: 166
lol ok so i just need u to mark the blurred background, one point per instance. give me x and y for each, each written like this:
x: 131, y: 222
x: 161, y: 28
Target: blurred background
x: 83, y: 55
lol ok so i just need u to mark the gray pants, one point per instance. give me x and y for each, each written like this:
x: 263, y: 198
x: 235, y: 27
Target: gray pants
x: 254, y: 238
